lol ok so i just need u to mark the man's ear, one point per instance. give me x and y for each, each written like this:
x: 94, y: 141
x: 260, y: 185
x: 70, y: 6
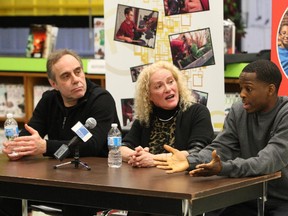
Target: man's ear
x: 53, y: 84
x: 272, y: 89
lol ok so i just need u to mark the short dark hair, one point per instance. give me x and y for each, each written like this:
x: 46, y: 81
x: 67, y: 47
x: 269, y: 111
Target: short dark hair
x: 55, y: 56
x: 127, y: 10
x: 266, y: 71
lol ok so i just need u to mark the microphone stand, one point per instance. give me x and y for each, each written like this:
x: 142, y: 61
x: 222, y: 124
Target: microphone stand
x: 76, y: 160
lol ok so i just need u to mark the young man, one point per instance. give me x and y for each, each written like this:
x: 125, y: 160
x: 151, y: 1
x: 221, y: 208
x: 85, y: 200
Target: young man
x: 73, y: 99
x: 253, y: 141
x: 128, y: 29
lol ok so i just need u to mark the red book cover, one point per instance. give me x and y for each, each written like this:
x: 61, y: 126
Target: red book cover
x: 36, y: 41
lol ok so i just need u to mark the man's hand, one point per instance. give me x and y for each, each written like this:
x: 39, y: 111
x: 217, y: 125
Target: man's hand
x: 214, y: 167
x: 177, y: 162
x: 25, y: 145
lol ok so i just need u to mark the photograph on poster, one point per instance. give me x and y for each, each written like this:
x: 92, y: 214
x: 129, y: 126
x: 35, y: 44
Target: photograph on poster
x: 136, y: 26
x: 135, y: 71
x: 192, y: 49
x: 200, y: 97
x: 282, y: 42
x: 127, y: 105
x: 174, y: 7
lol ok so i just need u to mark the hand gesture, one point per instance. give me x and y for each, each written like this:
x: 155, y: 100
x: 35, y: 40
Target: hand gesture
x: 214, y: 167
x: 25, y: 145
x: 141, y: 158
x: 177, y: 162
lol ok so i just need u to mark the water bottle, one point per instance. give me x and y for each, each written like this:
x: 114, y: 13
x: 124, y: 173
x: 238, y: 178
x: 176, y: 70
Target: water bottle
x: 11, y: 127
x: 114, y: 142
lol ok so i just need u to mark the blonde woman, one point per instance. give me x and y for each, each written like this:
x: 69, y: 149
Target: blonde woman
x: 165, y: 114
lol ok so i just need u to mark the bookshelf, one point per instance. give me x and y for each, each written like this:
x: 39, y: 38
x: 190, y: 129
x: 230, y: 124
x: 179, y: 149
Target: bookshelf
x: 31, y: 72
x: 234, y: 64
x: 48, y: 7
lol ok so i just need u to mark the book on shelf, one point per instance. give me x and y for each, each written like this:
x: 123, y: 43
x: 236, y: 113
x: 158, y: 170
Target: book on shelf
x: 2, y: 138
x: 38, y: 91
x: 230, y: 98
x: 99, y: 52
x: 41, y: 40
x: 12, y: 100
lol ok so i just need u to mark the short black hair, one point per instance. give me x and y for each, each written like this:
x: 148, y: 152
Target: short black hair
x: 266, y: 71
x: 127, y: 10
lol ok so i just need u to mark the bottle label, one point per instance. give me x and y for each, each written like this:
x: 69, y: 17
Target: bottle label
x: 114, y: 141
x: 11, y: 132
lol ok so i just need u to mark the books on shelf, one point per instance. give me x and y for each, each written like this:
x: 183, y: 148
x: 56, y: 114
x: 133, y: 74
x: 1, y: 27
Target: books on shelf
x: 2, y: 138
x: 230, y: 98
x: 38, y: 91
x: 12, y: 100
x: 41, y: 40
x: 99, y: 52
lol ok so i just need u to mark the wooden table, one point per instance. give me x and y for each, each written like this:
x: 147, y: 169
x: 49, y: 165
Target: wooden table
x: 134, y: 189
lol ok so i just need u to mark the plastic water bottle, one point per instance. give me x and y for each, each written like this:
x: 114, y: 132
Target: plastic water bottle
x: 11, y: 127
x: 114, y: 142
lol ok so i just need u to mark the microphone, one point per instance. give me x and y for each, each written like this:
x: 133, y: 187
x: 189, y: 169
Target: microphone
x: 83, y: 134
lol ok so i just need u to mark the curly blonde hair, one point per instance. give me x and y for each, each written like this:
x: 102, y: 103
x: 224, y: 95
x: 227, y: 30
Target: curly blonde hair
x: 143, y: 105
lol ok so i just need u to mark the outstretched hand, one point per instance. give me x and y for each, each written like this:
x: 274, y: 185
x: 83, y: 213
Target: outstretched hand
x: 177, y: 162
x: 25, y: 145
x: 214, y: 167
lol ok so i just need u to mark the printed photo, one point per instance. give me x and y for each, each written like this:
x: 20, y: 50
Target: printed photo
x: 136, y: 26
x: 200, y: 97
x: 174, y: 7
x: 135, y: 71
x: 127, y: 105
x: 282, y: 43
x: 192, y: 49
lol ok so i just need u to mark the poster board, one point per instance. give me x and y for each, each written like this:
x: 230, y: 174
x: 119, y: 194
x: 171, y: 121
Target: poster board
x: 279, y: 55
x: 205, y: 74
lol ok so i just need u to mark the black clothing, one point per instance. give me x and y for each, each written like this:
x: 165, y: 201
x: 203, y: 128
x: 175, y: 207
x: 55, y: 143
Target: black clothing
x: 192, y: 133
x: 52, y: 118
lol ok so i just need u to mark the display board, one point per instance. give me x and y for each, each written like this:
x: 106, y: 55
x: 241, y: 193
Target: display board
x: 279, y: 43
x: 161, y: 26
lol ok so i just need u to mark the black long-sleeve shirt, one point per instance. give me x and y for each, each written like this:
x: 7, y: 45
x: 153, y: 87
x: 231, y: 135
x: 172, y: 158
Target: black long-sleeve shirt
x: 52, y: 118
x: 192, y: 133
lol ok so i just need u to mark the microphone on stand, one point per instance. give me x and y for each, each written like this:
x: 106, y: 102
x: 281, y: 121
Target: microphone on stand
x: 83, y: 134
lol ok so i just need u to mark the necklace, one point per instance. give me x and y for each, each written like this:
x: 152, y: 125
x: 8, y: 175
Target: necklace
x: 166, y: 120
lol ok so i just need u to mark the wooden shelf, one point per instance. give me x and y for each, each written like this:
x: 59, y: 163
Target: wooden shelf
x: 48, y: 7
x: 29, y: 80
x: 232, y: 85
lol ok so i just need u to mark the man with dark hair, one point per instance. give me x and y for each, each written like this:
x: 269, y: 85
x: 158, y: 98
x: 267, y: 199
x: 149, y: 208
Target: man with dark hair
x: 254, y: 141
x: 74, y: 98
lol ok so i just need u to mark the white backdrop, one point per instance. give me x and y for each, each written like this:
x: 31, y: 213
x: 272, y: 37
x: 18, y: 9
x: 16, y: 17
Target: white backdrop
x: 120, y: 57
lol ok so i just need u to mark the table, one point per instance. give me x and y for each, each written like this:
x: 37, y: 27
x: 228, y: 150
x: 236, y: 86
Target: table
x: 134, y: 189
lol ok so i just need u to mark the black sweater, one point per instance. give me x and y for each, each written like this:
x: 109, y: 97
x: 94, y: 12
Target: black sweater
x: 52, y: 118
x: 193, y: 130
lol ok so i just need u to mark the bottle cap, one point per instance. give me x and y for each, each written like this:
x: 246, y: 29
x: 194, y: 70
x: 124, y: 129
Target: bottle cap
x: 9, y: 115
x: 114, y: 125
